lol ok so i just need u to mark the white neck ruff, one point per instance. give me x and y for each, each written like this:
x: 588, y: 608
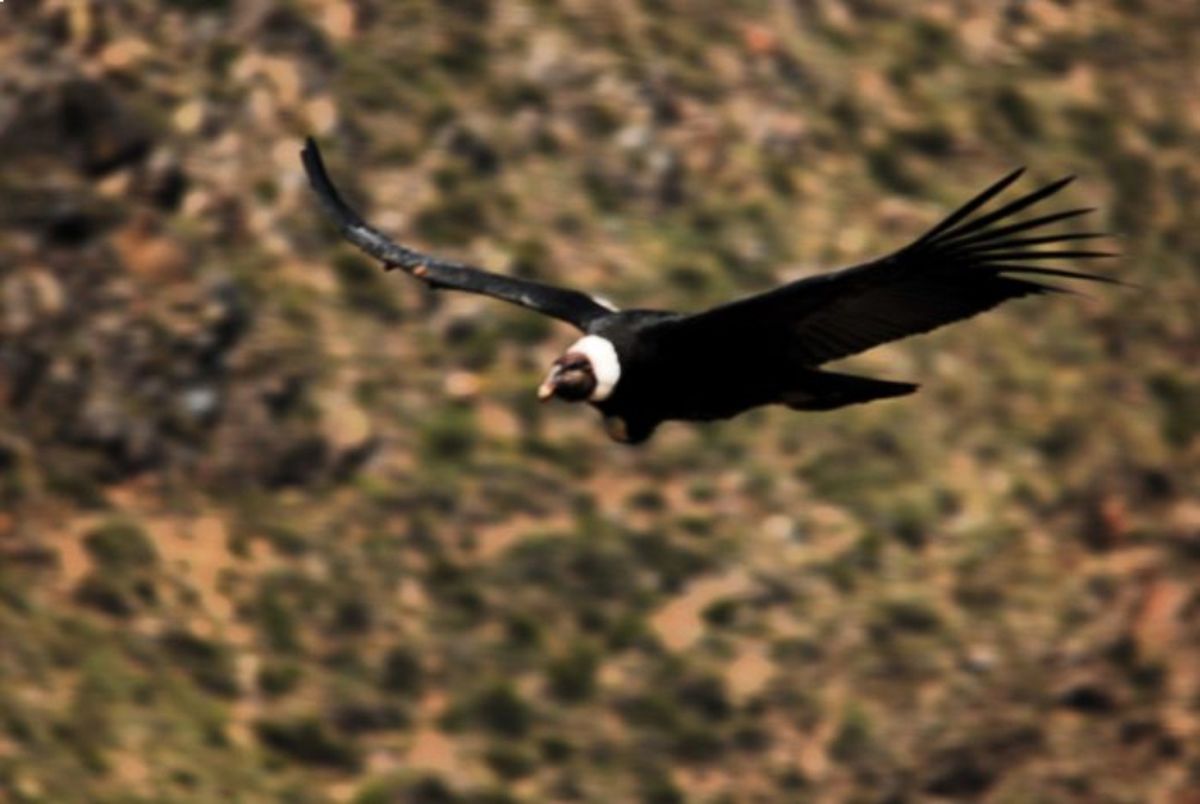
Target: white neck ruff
x: 605, y: 366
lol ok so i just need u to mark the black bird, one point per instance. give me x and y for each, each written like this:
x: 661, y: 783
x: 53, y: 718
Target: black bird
x: 640, y: 368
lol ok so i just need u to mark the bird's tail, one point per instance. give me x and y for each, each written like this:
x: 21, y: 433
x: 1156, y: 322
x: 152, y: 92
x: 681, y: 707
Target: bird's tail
x: 826, y: 390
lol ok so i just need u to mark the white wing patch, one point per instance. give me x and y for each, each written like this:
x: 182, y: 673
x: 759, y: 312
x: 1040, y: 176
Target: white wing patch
x: 603, y: 356
x: 605, y: 303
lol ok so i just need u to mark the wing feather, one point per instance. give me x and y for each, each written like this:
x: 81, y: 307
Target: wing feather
x: 567, y: 305
x: 966, y: 264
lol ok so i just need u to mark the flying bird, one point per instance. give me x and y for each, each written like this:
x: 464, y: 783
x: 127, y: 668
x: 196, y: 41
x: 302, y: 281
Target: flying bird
x: 642, y: 367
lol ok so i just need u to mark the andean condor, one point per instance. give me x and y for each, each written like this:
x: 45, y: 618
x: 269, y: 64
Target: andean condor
x: 640, y: 368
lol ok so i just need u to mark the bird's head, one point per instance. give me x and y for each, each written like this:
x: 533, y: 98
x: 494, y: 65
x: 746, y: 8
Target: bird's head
x: 587, y: 372
x: 572, y: 378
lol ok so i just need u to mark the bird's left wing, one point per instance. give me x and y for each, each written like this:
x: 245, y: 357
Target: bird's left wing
x: 960, y: 268
x: 571, y: 306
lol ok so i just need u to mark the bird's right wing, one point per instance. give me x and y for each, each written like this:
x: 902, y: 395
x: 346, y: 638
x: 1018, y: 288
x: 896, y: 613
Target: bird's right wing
x: 571, y: 306
x: 960, y: 268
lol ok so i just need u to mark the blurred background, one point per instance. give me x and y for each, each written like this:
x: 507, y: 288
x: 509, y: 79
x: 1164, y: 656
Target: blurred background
x: 275, y: 526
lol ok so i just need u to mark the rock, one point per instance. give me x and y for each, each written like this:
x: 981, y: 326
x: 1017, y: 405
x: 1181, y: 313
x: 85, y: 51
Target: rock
x: 124, y: 56
x: 29, y: 297
x: 189, y: 117
x: 343, y: 422
x: 147, y: 253
x: 339, y: 19
x: 462, y: 384
x: 85, y: 122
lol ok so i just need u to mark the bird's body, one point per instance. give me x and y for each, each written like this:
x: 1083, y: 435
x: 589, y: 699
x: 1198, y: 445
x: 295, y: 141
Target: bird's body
x: 661, y: 380
x: 640, y: 368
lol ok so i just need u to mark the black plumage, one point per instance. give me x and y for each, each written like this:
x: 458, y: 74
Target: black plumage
x: 643, y: 367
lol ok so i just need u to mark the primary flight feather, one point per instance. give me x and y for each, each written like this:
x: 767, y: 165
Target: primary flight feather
x: 640, y: 368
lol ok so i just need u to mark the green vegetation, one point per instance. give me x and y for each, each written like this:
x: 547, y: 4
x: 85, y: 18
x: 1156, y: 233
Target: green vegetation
x: 276, y: 525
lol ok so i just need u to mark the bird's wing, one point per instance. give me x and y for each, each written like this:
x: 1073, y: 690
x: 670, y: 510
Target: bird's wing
x: 568, y: 305
x: 965, y: 265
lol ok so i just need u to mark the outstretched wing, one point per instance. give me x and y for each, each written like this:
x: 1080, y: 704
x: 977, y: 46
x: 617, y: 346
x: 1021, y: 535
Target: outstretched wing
x: 571, y: 306
x: 960, y: 268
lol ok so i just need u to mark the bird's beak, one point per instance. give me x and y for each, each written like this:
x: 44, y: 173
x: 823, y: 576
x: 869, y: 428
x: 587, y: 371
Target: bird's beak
x: 546, y: 389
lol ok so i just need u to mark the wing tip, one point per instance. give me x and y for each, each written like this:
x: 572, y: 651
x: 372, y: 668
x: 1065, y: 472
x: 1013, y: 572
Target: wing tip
x: 310, y: 157
x: 947, y: 225
x: 314, y: 163
x: 1018, y: 271
x: 1060, y: 183
x: 961, y: 223
x: 326, y: 191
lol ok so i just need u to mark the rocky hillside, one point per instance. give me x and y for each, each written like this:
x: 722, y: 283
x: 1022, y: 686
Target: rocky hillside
x: 275, y: 526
